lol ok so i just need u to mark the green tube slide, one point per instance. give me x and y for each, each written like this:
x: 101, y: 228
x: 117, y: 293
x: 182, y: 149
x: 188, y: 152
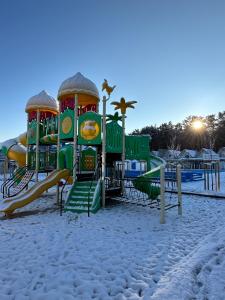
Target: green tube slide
x: 143, y: 182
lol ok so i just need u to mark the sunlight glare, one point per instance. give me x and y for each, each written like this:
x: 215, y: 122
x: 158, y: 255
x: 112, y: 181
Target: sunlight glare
x: 197, y: 124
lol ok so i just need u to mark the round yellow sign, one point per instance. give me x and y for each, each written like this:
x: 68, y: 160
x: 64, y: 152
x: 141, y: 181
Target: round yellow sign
x: 66, y: 125
x: 89, y: 130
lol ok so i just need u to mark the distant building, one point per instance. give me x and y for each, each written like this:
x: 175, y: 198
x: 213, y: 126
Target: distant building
x: 207, y: 154
x: 170, y: 154
x: 162, y: 152
x: 221, y: 152
x: 188, y: 154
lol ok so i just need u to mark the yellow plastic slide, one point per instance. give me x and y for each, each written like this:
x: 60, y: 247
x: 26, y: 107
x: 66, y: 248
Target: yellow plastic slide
x: 18, y: 154
x: 10, y: 204
x: 15, y: 149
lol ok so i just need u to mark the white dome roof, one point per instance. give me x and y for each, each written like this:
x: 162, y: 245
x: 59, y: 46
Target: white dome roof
x: 78, y: 84
x: 42, y: 101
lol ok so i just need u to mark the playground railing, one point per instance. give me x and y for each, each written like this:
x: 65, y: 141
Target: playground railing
x: 96, y: 176
x: 9, y: 179
x: 208, y: 172
x: 63, y: 187
x: 212, y: 176
x: 19, y: 173
x: 24, y: 182
x: 151, y: 192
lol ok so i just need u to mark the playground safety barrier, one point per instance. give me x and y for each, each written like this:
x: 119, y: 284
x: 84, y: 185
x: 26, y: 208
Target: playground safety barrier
x: 157, y: 185
x: 212, y: 176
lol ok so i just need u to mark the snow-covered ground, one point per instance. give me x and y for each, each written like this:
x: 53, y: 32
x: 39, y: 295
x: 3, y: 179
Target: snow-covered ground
x: 198, y: 186
x: 122, y: 252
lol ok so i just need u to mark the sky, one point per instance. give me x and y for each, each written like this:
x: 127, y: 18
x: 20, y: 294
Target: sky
x: 166, y: 54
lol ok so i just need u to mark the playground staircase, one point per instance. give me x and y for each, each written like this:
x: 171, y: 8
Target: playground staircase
x: 17, y: 184
x: 84, y: 196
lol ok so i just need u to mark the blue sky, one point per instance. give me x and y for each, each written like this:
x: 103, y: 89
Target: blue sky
x: 168, y: 55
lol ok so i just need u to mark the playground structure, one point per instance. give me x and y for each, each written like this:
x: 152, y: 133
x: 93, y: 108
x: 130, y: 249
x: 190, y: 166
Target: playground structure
x: 73, y: 142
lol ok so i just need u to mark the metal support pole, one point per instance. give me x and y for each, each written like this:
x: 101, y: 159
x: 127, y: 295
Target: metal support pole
x: 179, y: 192
x: 104, y: 100
x: 162, y: 195
x: 58, y: 139
x: 80, y: 151
x: 75, y: 135
x: 6, y: 169
x: 218, y: 176
x: 207, y: 169
x: 123, y: 152
x: 212, y: 181
x: 27, y: 146
x: 37, y: 144
x: 57, y: 194
x: 204, y: 174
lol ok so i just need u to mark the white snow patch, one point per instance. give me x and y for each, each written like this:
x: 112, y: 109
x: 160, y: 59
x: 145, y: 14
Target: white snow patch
x: 80, y: 84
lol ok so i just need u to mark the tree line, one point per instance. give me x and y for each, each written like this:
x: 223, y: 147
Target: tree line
x: 183, y: 136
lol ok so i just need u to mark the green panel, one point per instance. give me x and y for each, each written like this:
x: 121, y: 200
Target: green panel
x: 51, y: 159
x: 51, y: 125
x: 32, y: 132
x: 32, y: 160
x: 4, y: 150
x: 66, y: 157
x: 42, y: 160
x: 32, y: 129
x: 88, y: 159
x: 41, y: 131
x: 138, y: 147
x: 67, y: 124
x: 114, y: 133
x: 89, y: 126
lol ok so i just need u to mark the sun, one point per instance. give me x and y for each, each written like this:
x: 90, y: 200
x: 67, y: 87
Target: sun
x: 197, y: 124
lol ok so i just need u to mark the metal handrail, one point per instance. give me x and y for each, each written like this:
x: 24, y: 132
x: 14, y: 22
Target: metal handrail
x: 25, y: 186
x: 93, y: 177
x: 62, y: 189
x: 17, y: 176
x: 12, y: 180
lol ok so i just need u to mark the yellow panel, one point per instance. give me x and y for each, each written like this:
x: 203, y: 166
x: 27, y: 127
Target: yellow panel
x: 83, y: 99
x: 41, y: 108
x: 66, y: 125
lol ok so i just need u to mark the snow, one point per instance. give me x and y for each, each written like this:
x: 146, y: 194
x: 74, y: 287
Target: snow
x: 200, y: 276
x: 78, y: 84
x: 42, y: 100
x: 122, y: 252
x: 198, y: 186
